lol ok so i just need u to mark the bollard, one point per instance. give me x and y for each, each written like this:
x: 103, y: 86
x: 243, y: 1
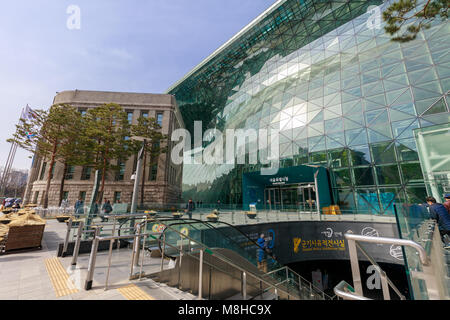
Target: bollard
x: 66, y: 240
x: 92, y: 258
x: 200, y: 275
x: 77, y: 244
x: 143, y: 249
x: 162, y: 251
x: 136, y: 247
x: 244, y: 285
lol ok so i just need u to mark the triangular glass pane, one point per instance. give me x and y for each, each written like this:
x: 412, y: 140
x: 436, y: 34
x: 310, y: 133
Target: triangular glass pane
x: 438, y: 118
x: 397, y: 115
x: 438, y: 107
x: 392, y: 96
x: 408, y: 132
x: 356, y: 137
x: 376, y: 137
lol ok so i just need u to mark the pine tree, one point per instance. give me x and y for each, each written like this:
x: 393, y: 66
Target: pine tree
x: 107, y: 133
x: 48, y: 135
x: 149, y: 129
x: 406, y: 18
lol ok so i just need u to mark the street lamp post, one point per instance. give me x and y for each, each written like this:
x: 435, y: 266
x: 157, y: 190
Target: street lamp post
x: 137, y: 177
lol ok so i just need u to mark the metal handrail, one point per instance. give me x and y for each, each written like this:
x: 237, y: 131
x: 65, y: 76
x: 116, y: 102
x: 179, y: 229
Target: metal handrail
x: 342, y: 290
x: 353, y: 245
x: 320, y: 292
x: 373, y: 262
x: 224, y: 259
x: 400, y: 242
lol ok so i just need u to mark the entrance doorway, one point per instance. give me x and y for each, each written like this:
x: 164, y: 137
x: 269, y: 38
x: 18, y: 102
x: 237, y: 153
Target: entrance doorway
x: 294, y: 197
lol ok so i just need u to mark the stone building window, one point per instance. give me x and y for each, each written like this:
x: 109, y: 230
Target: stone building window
x: 159, y: 118
x: 86, y: 173
x: 121, y: 172
x: 153, y: 172
x: 129, y: 116
x: 69, y: 173
x: 117, y: 195
x: 36, y: 196
x: 41, y: 176
x: 82, y: 195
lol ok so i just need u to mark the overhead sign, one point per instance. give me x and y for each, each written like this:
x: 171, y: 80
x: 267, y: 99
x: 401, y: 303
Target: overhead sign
x: 279, y: 180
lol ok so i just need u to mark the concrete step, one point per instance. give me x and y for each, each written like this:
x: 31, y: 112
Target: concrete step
x: 264, y: 296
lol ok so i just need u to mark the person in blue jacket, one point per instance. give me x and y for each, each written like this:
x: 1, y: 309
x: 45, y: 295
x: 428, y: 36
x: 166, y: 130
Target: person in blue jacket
x: 439, y: 213
x: 261, y: 253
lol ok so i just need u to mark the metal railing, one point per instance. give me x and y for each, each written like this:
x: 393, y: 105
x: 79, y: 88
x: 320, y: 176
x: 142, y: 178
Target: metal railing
x: 434, y: 288
x: 286, y: 270
x: 271, y: 283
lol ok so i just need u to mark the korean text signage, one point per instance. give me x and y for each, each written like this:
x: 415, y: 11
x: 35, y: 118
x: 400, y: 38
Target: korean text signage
x: 318, y: 240
x: 279, y: 180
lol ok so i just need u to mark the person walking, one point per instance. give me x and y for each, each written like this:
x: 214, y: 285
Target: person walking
x: 261, y: 253
x: 218, y: 205
x: 106, y: 209
x: 190, y: 207
x: 79, y: 207
x: 439, y: 213
x: 447, y: 202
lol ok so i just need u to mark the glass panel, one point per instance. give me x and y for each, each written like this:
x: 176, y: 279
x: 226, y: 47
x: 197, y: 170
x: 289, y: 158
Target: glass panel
x: 338, y: 157
x: 364, y: 176
x: 342, y: 177
x: 389, y: 197
x: 360, y: 155
x: 416, y: 194
x: 346, y: 200
x: 412, y: 172
x: 356, y: 137
x: 434, y: 153
x: 367, y: 201
x: 383, y: 152
x: 319, y: 157
x: 407, y: 150
x: 387, y: 174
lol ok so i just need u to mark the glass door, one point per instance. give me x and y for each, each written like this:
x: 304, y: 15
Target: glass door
x: 307, y: 198
x: 289, y: 198
x: 273, y: 199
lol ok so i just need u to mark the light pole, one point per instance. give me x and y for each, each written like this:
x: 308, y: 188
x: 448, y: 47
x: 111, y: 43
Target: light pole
x: 137, y: 176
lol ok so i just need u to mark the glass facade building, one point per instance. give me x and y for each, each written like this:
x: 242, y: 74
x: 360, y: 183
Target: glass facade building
x: 343, y: 95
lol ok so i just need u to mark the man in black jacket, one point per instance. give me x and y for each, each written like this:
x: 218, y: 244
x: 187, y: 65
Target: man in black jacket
x: 439, y: 213
x: 106, y: 208
x: 190, y: 207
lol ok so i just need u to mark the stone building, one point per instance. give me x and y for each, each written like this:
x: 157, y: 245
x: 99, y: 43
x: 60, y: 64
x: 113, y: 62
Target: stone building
x: 162, y: 181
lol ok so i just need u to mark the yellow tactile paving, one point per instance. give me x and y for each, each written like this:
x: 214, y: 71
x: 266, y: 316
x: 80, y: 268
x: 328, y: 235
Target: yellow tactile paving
x: 133, y: 292
x: 60, y: 278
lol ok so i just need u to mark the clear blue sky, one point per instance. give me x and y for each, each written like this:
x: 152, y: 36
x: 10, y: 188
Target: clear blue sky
x: 123, y: 45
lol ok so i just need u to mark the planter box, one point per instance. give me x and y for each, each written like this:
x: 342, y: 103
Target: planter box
x: 251, y: 215
x: 62, y: 218
x: 24, y: 237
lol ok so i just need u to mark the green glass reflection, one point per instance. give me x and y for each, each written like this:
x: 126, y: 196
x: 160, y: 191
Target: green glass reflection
x: 412, y: 172
x: 364, y: 176
x: 387, y: 174
x: 383, y: 152
x: 339, y: 157
x: 342, y: 177
x: 360, y: 155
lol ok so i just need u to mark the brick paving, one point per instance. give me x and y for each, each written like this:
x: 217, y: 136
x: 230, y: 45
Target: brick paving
x: 25, y: 275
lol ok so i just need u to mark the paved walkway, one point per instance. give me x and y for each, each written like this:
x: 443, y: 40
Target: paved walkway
x: 40, y: 275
